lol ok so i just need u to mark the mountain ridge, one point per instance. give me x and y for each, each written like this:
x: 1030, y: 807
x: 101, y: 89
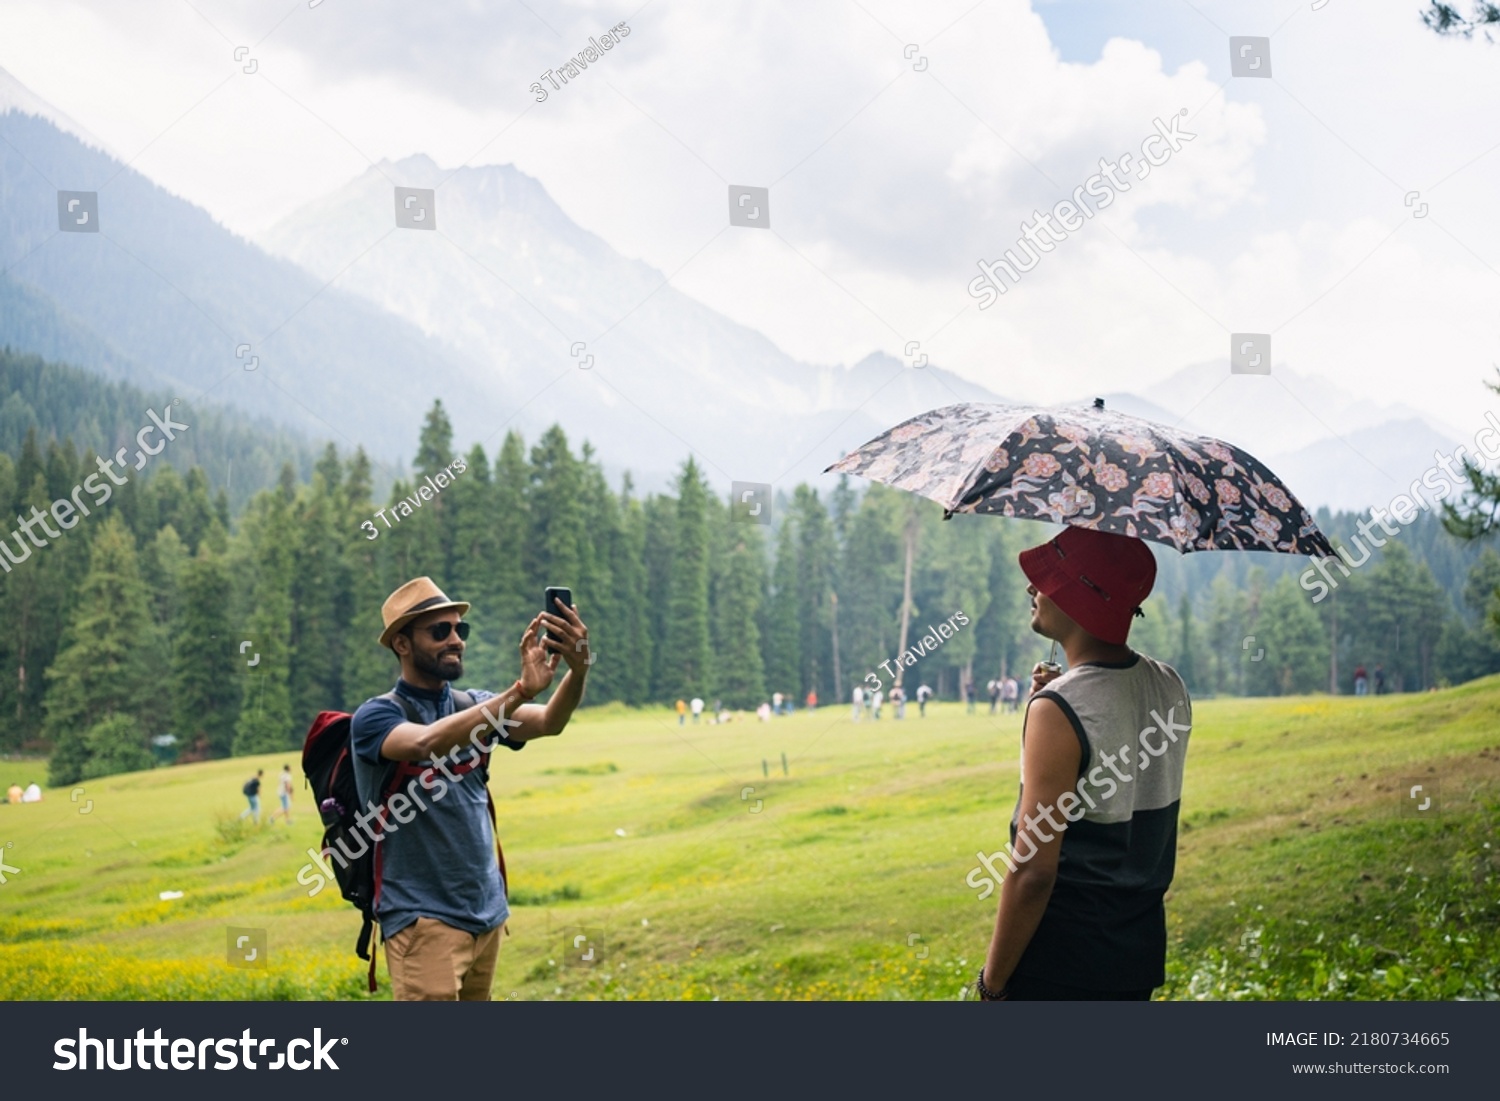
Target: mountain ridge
x: 517, y: 317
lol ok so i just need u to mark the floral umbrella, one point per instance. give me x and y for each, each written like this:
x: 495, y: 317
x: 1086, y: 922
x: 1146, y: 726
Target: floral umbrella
x: 1091, y: 468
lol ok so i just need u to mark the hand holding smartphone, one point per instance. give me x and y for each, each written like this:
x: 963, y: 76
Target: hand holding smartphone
x: 569, y: 638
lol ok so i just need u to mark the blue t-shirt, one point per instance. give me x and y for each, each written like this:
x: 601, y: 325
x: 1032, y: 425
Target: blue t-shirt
x: 441, y: 862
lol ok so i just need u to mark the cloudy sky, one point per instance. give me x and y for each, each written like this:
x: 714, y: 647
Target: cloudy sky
x: 902, y: 142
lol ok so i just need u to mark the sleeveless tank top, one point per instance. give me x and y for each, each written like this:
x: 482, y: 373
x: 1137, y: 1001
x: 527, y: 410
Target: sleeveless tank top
x: 1105, y: 925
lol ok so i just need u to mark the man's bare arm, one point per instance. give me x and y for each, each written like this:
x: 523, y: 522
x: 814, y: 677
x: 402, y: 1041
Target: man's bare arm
x: 568, y: 640
x: 472, y: 726
x: 538, y: 721
x: 1050, y: 765
x: 508, y: 714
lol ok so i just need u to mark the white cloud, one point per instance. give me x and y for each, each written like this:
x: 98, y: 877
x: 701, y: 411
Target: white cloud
x: 887, y: 184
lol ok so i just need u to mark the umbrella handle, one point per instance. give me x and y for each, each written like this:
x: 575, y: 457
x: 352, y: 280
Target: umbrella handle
x: 1051, y: 663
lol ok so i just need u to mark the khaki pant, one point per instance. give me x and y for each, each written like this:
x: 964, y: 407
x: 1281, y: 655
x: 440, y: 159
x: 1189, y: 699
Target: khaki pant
x: 433, y: 962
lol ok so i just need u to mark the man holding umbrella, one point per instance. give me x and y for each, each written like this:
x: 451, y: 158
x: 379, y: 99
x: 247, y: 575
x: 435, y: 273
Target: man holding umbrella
x: 1081, y: 916
x: 1102, y: 745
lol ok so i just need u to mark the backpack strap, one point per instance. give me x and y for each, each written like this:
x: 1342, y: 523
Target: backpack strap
x: 390, y: 774
x: 499, y: 852
x: 462, y: 701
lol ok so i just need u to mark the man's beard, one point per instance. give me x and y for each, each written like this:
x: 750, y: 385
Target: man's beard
x: 438, y: 666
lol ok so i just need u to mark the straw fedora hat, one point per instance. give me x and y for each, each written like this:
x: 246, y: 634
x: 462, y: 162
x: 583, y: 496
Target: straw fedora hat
x: 415, y: 598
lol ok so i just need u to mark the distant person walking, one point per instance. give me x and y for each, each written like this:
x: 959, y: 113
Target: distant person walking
x: 1010, y: 693
x: 812, y: 699
x: 993, y: 689
x: 776, y: 703
x: 858, y: 699
x: 967, y: 690
x: 697, y: 706
x: 898, y: 701
x: 875, y: 701
x: 1379, y: 680
x: 923, y: 695
x: 681, y: 712
x: 284, y: 792
x: 1361, y: 681
x: 251, y: 792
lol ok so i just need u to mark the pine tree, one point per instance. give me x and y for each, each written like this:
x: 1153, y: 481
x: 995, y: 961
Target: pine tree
x: 870, y: 600
x: 113, y: 745
x: 477, y: 570
x: 632, y: 652
x: 1404, y: 612
x: 517, y: 600
x: 405, y: 550
x: 783, y: 655
x: 169, y: 503
x: 962, y: 559
x: 161, y: 565
x: 686, y: 649
x: 38, y: 595
x: 1004, y: 641
x: 206, y: 666
x: 11, y: 688
x: 265, y: 721
x: 1187, y: 644
x: 815, y: 551
x: 740, y: 679
x: 1153, y: 634
x: 368, y: 667
x: 319, y: 594
x: 659, y: 538
x: 558, y: 536
x: 103, y: 672
x: 595, y: 592
x: 1295, y: 644
x: 1227, y: 630
x: 432, y: 539
x: 197, y: 512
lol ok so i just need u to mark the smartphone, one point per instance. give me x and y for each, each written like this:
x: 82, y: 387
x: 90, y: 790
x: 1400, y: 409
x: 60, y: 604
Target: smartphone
x: 554, y: 599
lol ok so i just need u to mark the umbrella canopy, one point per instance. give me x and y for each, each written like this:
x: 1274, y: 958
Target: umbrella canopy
x: 1091, y: 468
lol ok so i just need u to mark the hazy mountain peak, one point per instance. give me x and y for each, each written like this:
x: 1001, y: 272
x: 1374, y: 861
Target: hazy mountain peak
x: 15, y: 96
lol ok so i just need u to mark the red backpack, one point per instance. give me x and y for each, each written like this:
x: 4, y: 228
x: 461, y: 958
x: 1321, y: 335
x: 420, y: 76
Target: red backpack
x: 328, y: 764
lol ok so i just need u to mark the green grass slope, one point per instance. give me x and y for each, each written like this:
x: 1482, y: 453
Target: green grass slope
x: 697, y: 875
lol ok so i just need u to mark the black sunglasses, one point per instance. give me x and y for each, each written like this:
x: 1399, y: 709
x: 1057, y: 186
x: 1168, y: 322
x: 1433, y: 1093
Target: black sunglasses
x: 440, y: 631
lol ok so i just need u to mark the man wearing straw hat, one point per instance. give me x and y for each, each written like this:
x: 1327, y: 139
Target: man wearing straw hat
x: 1094, y: 834
x: 440, y: 898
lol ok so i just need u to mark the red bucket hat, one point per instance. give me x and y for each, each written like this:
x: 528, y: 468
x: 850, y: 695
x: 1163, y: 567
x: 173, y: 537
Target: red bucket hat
x: 1098, y: 578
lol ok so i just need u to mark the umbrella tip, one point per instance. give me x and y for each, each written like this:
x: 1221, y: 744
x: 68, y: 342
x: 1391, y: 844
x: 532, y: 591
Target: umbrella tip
x: 1098, y: 403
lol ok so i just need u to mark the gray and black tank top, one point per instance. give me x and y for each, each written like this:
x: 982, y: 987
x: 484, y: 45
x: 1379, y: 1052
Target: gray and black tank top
x: 1105, y: 925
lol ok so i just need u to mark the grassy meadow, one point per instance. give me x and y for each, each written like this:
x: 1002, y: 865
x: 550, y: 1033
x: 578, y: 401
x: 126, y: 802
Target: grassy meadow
x: 698, y: 876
